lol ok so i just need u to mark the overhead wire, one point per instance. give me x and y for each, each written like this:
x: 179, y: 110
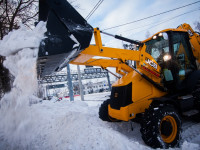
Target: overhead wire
x: 94, y: 9
x: 157, y: 24
x: 151, y: 16
x: 161, y: 22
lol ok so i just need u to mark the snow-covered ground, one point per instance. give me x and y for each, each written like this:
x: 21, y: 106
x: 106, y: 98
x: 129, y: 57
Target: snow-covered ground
x: 69, y: 125
x: 63, y: 125
x: 28, y: 124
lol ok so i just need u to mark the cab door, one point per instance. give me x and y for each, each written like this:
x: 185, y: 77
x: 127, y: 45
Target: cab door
x: 182, y: 54
x: 183, y: 61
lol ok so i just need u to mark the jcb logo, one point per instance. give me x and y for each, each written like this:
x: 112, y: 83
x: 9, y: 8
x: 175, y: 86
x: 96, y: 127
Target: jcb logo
x: 151, y: 63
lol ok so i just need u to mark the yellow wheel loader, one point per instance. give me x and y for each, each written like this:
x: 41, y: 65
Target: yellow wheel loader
x: 162, y: 86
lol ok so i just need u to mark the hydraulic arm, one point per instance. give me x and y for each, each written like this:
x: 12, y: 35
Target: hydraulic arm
x: 109, y: 57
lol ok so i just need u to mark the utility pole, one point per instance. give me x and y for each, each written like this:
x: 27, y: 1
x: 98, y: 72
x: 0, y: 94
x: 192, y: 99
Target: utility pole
x: 109, y: 84
x: 70, y: 86
x: 80, y: 83
x: 47, y: 91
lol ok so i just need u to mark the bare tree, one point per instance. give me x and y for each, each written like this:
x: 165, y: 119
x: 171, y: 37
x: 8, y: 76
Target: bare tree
x: 12, y: 13
x: 197, y: 26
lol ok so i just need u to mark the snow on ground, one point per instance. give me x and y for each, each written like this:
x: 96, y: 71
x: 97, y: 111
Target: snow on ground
x: 66, y: 125
x: 75, y: 125
x: 28, y: 124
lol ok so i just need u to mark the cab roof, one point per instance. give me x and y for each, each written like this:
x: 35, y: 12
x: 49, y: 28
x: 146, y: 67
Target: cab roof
x: 165, y: 30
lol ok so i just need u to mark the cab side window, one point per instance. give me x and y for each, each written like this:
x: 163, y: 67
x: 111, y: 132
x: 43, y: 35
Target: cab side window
x: 182, y: 54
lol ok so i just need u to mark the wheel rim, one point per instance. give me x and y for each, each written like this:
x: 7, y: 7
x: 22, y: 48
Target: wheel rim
x: 168, y: 129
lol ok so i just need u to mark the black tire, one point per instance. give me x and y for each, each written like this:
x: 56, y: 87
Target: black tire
x: 196, y: 95
x: 103, y: 111
x: 161, y: 127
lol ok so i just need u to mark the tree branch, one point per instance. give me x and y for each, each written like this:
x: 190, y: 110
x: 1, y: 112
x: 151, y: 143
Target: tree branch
x: 31, y: 17
x: 6, y: 3
x: 31, y: 2
x: 14, y: 15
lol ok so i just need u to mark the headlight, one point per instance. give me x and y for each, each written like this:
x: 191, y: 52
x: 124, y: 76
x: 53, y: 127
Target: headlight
x: 167, y: 57
x: 160, y: 34
x: 154, y: 37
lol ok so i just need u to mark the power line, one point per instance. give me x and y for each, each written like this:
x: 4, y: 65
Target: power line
x: 150, y: 16
x: 162, y: 21
x: 94, y: 9
x: 157, y: 24
x: 166, y: 21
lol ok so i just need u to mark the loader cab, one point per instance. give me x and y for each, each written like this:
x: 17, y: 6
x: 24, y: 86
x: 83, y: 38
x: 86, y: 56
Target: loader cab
x: 172, y: 51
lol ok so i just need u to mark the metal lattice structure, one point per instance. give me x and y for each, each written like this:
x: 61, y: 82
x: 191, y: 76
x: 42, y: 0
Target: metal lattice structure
x: 88, y: 74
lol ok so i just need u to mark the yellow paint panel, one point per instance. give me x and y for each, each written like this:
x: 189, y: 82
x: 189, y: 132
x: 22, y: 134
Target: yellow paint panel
x: 112, y: 53
x: 82, y: 58
x: 121, y: 114
x: 130, y: 111
x: 141, y: 89
x: 142, y: 93
x: 125, y: 80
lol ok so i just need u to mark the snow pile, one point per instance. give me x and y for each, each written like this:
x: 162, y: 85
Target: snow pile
x: 74, y: 126
x: 20, y: 48
x: 22, y: 38
x: 190, y: 146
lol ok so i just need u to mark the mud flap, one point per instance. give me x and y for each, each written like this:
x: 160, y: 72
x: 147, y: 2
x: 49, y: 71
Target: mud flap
x: 67, y: 35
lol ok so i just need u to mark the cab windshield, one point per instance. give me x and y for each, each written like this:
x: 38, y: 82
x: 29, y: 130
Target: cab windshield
x: 158, y: 46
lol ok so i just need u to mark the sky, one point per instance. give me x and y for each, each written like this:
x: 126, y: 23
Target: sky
x: 115, y: 12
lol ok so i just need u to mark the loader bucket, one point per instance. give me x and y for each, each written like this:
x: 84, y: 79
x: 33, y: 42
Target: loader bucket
x: 67, y: 35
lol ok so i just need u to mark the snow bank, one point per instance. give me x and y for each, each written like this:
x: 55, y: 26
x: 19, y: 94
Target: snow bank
x: 20, y: 48
x: 72, y: 126
x: 190, y: 146
x: 22, y: 38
